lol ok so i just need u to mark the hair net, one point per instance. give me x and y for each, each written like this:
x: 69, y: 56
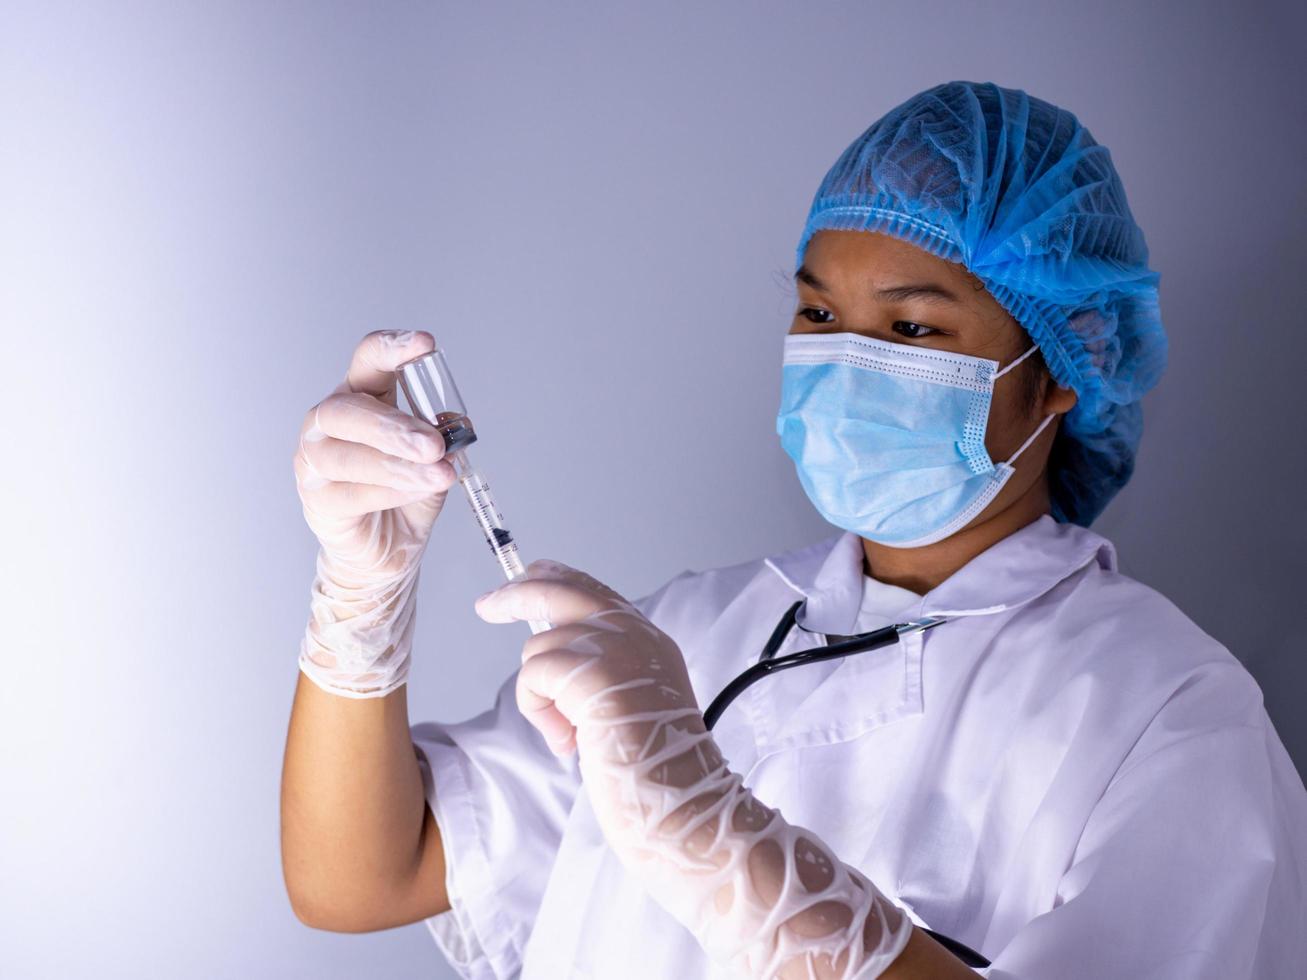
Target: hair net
x: 1019, y: 192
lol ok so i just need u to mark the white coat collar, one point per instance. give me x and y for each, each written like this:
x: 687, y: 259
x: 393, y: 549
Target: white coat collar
x: 833, y: 701
x: 1015, y: 570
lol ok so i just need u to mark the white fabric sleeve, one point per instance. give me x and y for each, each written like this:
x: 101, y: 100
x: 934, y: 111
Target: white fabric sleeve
x: 501, y: 799
x: 1171, y: 874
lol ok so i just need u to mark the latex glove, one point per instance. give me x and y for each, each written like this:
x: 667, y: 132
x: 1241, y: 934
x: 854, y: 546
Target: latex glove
x: 763, y: 897
x: 371, y: 481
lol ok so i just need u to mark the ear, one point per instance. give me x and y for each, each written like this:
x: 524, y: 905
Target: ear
x: 1058, y: 400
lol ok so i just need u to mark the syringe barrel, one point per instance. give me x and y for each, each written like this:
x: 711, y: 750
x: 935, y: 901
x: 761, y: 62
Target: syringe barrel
x: 491, y: 522
x: 433, y: 396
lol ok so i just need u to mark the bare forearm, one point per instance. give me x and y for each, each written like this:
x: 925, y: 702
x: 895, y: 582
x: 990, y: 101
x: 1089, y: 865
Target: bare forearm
x: 352, y: 806
x: 924, y: 959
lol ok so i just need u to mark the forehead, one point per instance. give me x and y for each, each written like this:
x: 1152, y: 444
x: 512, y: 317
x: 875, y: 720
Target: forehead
x: 855, y: 258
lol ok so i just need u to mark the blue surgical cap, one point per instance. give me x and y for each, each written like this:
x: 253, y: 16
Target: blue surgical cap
x: 1016, y: 190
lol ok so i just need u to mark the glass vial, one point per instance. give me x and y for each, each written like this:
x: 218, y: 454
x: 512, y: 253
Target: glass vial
x: 433, y: 397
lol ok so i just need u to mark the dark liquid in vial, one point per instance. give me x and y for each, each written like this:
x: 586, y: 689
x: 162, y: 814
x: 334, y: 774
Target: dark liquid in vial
x: 456, y: 430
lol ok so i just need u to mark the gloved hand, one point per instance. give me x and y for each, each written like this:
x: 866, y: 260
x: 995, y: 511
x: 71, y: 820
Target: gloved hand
x: 371, y: 481
x: 763, y: 897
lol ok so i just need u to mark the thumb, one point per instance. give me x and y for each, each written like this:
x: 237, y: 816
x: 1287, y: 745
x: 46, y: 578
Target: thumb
x: 372, y: 367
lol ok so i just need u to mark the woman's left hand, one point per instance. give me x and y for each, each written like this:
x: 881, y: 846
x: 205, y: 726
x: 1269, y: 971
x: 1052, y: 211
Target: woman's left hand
x: 609, y: 684
x: 603, y: 665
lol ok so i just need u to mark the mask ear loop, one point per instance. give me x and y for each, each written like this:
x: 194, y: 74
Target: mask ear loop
x: 1047, y: 418
x: 1029, y: 351
x: 1034, y: 435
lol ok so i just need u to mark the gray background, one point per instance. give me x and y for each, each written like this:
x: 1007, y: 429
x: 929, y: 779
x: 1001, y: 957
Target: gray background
x: 593, y: 207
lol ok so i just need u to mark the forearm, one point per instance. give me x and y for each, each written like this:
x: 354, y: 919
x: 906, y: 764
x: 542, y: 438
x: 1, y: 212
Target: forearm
x: 766, y: 897
x: 352, y: 804
x: 816, y: 865
x: 925, y: 959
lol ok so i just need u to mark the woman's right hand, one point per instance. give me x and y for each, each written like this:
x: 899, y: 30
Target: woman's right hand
x: 371, y: 477
x: 371, y: 481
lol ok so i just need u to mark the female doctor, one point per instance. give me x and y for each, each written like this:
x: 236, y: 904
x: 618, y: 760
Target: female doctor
x: 1052, y: 773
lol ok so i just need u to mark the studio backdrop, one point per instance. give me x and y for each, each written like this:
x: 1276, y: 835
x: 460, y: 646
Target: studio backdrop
x: 593, y: 207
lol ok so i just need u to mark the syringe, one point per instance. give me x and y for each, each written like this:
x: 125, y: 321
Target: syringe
x: 433, y: 397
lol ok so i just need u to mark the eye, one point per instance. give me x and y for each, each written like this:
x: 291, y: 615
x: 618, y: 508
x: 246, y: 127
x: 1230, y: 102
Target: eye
x: 812, y: 309
x: 914, y: 330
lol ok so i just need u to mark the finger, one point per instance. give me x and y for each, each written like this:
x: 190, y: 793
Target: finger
x: 554, y: 678
x: 544, y: 716
x: 548, y: 568
x: 330, y: 500
x: 361, y: 418
x: 352, y: 462
x: 584, y: 637
x: 372, y: 367
x: 553, y: 600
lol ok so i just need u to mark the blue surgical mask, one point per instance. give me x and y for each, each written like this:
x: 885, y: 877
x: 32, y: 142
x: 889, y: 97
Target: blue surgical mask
x: 889, y: 439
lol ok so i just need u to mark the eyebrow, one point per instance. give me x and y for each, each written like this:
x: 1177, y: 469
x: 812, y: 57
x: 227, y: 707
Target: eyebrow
x: 917, y: 290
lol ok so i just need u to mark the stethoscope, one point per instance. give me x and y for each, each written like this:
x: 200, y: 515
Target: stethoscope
x: 843, y: 646
x: 769, y: 663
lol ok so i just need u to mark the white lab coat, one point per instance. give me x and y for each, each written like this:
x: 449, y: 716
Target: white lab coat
x: 1073, y: 779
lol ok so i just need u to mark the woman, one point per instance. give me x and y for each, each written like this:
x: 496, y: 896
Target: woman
x: 1054, y: 768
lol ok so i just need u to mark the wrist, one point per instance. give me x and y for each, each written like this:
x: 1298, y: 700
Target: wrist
x: 358, y: 640
x: 370, y: 684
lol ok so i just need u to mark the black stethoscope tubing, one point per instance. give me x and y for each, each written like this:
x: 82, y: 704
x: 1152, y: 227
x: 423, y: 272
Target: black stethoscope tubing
x: 769, y: 663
